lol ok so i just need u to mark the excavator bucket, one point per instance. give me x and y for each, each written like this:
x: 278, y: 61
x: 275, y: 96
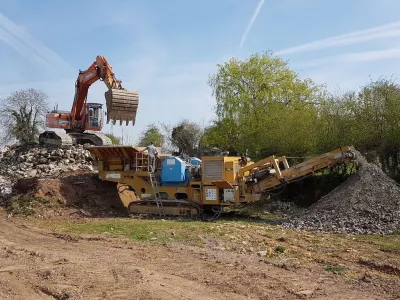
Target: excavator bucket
x: 121, y: 105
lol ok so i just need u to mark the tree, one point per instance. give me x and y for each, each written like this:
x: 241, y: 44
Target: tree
x: 264, y: 108
x: 186, y: 137
x: 114, y: 139
x: 151, y: 134
x: 22, y: 115
x: 219, y: 137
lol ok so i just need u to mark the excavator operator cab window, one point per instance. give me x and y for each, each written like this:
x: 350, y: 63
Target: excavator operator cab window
x: 94, y: 115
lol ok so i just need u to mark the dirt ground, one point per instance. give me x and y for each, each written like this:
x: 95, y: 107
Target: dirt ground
x: 38, y: 263
x: 75, y: 241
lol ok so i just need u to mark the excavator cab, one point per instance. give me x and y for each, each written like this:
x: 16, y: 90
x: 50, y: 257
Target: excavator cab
x: 94, y: 116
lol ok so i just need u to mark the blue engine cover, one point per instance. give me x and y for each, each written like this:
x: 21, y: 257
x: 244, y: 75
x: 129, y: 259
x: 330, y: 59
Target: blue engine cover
x: 194, y: 161
x: 173, y: 171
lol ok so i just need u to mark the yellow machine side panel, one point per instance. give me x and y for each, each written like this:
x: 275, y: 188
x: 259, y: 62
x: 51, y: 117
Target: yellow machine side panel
x: 219, y: 168
x: 230, y: 169
x: 142, y: 189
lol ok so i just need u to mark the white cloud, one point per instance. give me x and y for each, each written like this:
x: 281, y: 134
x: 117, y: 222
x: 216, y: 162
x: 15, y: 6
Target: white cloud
x: 389, y: 30
x: 251, y: 22
x: 27, y: 46
x: 351, y: 57
x: 368, y: 56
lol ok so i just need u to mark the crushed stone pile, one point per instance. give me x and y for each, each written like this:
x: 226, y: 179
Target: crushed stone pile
x: 367, y: 203
x: 22, y: 162
x: 5, y: 186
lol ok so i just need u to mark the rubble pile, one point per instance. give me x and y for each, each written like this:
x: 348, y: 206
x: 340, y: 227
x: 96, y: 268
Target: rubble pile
x: 18, y: 162
x: 5, y: 186
x: 367, y: 203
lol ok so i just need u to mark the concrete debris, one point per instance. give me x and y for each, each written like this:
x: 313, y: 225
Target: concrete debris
x: 17, y: 162
x: 5, y: 186
x: 367, y: 203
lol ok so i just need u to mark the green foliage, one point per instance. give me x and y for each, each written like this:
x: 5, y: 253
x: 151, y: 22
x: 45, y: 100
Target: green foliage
x: 186, y: 137
x: 22, y: 115
x: 24, y: 204
x: 368, y: 119
x: 264, y: 108
x: 280, y: 249
x: 260, y: 102
x: 151, y: 134
x: 114, y: 139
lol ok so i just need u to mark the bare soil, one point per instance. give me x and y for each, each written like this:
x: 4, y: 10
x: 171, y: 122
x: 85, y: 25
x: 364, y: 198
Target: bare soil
x: 79, y: 192
x: 37, y: 263
x: 80, y: 245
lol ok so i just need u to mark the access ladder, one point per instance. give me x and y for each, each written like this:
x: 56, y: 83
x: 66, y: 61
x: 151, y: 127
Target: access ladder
x: 155, y: 186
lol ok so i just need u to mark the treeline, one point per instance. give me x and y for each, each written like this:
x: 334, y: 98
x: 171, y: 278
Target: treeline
x: 264, y: 108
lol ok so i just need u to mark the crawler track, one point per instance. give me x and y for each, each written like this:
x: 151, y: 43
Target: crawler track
x: 165, y: 208
x: 52, y: 139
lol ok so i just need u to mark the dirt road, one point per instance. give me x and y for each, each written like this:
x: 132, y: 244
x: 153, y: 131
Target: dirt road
x: 38, y: 264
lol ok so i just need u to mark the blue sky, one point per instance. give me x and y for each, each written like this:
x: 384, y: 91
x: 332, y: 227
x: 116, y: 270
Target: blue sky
x: 166, y: 50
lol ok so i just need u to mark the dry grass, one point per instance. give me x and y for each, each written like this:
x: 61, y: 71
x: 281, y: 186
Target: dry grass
x: 337, y: 253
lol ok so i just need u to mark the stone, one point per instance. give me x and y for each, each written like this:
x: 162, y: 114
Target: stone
x: 305, y: 293
x: 31, y: 173
x: 367, y: 203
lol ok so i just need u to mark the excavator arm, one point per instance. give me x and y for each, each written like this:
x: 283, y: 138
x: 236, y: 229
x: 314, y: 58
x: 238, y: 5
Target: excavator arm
x: 121, y: 104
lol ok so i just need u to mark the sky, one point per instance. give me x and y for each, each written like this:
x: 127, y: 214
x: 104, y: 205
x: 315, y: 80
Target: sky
x: 166, y: 50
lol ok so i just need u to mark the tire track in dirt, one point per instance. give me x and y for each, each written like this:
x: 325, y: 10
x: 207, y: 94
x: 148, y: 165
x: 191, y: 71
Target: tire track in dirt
x: 37, y: 264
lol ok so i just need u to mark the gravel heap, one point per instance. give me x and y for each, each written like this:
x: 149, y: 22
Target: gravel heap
x: 367, y: 203
x: 18, y: 162
x: 5, y: 186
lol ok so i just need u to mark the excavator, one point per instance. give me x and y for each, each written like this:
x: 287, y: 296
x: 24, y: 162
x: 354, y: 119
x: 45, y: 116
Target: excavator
x: 121, y: 106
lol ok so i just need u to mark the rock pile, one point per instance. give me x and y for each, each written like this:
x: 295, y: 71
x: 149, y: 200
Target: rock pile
x: 367, y: 203
x: 17, y: 162
x: 5, y: 186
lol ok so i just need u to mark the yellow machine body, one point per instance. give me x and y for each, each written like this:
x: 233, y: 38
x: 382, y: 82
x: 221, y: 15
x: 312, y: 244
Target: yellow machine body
x: 224, y: 180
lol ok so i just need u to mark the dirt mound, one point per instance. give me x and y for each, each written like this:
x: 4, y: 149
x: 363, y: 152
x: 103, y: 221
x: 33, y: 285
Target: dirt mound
x: 81, y: 191
x: 367, y: 203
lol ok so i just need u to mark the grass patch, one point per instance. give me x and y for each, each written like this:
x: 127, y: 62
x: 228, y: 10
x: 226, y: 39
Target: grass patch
x: 280, y: 249
x: 335, y: 269
x: 139, y: 230
x: 389, y: 243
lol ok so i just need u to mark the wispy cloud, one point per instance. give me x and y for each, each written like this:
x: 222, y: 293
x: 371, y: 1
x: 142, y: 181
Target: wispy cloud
x: 252, y: 20
x: 389, y: 30
x: 352, y: 57
x: 27, y: 46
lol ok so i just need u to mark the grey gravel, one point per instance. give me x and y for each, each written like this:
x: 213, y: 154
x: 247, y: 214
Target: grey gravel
x: 367, y: 203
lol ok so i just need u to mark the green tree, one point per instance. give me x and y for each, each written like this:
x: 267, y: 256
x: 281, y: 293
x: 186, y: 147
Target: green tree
x: 22, y: 115
x: 151, y: 134
x: 114, y: 139
x: 186, y: 136
x: 218, y: 137
x: 367, y: 119
x: 264, y: 107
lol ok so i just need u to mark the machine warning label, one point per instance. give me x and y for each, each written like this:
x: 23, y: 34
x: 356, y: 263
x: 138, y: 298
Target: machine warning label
x: 113, y: 176
x: 211, y: 194
x: 170, y: 161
